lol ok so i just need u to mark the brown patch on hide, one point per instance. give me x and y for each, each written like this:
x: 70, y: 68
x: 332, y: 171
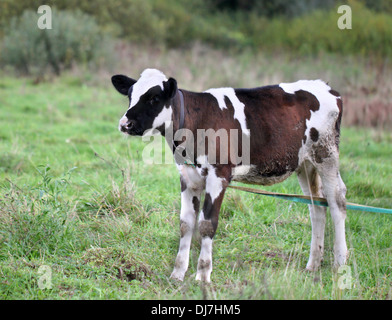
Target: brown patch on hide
x: 184, y: 228
x: 206, y: 229
x: 320, y: 152
x: 314, y: 134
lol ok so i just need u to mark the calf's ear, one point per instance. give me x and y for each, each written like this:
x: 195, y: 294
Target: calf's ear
x: 170, y: 88
x: 122, y: 83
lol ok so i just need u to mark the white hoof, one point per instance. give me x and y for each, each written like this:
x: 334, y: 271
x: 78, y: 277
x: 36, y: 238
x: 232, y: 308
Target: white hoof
x: 177, y: 275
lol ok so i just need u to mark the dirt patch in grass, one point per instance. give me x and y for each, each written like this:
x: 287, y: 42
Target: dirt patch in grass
x: 118, y: 263
x: 276, y: 255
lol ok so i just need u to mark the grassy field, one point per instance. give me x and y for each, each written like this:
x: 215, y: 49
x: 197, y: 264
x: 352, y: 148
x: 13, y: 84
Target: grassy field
x: 76, y: 198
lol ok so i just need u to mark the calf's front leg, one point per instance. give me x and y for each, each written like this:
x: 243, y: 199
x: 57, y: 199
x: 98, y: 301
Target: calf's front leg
x: 190, y: 203
x: 208, y: 223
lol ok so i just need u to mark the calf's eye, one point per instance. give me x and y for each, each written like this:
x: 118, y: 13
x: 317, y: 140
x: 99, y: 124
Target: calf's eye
x: 154, y: 100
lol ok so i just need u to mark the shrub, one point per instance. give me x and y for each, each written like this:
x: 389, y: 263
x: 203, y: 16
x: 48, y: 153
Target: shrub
x: 37, y: 220
x: 318, y: 32
x: 301, y: 27
x: 274, y: 8
x: 74, y: 38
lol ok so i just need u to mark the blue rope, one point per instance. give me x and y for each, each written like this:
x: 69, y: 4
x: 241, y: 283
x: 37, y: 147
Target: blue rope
x: 318, y: 201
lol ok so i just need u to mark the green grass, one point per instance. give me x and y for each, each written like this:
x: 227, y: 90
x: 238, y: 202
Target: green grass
x: 76, y: 196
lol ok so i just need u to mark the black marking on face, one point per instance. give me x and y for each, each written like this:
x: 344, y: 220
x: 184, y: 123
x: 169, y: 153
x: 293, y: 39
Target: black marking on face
x: 145, y: 111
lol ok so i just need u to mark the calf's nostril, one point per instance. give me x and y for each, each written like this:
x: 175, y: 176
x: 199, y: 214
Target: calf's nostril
x: 131, y: 125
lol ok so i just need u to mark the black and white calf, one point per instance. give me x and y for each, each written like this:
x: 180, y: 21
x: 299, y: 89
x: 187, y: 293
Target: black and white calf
x: 291, y: 127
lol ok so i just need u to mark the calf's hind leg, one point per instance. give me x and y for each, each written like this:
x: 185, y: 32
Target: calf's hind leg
x: 310, y: 183
x: 335, y: 192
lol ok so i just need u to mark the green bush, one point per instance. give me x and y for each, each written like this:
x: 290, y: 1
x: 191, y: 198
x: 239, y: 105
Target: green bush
x: 301, y: 27
x: 74, y: 38
x: 318, y: 32
x: 268, y: 8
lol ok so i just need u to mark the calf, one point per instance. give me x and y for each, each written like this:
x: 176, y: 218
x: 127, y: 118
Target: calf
x: 290, y: 127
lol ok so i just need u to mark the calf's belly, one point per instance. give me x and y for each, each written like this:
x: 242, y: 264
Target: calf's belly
x: 253, y: 175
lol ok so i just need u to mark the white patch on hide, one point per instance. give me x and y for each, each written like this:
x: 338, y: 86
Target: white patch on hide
x: 163, y: 117
x: 239, y: 113
x: 191, y: 176
x: 148, y: 79
x: 241, y: 170
x: 328, y: 103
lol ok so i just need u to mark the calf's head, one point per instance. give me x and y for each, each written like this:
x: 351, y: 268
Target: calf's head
x: 150, y: 101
